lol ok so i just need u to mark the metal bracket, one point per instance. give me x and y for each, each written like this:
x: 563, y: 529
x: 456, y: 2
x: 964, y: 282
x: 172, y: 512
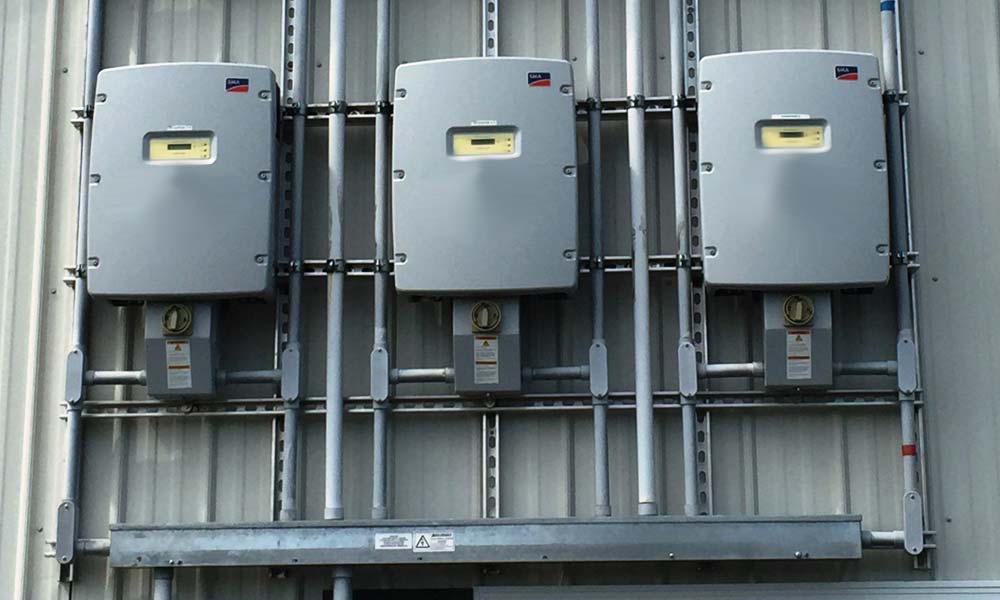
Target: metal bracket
x: 66, y: 532
x: 906, y: 362
x: 338, y: 107
x: 382, y: 107
x: 599, y: 369
x: 687, y: 369
x: 491, y: 466
x: 291, y: 376
x: 913, y: 523
x: 380, y: 375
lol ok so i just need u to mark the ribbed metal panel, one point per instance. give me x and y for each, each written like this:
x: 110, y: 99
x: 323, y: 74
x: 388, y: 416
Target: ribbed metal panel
x: 764, y: 462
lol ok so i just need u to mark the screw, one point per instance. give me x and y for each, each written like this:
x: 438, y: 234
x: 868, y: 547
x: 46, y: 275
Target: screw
x: 264, y: 175
x: 399, y: 174
x: 879, y: 165
x: 65, y: 70
x: 706, y: 85
x: 569, y: 170
x: 671, y: 555
x: 259, y: 259
x: 798, y: 555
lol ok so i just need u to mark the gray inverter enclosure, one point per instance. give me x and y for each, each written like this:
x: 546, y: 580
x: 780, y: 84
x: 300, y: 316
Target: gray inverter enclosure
x: 484, y: 177
x: 182, y: 186
x: 794, y: 188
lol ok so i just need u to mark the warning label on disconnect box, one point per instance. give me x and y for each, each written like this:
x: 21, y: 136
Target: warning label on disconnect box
x: 178, y: 364
x: 486, y: 359
x: 798, y: 354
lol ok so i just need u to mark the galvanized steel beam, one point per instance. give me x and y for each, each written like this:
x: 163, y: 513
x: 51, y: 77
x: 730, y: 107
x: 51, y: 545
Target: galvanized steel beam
x: 490, y: 541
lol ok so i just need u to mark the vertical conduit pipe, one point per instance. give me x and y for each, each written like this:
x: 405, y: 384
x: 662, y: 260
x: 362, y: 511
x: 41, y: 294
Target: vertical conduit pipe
x: 77, y: 360
x: 381, y: 342
x: 913, y: 526
x: 681, y: 212
x: 163, y: 583
x: 342, y: 584
x: 645, y: 456
x: 291, y: 357
x: 334, y: 493
x: 602, y: 491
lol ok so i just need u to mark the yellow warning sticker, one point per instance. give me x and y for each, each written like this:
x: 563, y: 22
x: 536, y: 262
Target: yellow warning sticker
x: 178, y: 364
x: 486, y: 359
x: 798, y: 354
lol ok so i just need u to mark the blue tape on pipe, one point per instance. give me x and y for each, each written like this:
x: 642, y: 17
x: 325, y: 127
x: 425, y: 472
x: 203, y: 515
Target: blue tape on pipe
x: 888, y: 5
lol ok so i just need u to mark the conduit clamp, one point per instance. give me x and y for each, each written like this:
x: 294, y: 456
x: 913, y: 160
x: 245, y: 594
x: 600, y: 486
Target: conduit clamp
x: 335, y: 265
x: 338, y: 107
x: 593, y: 104
x: 292, y: 108
x: 635, y: 101
x: 381, y: 266
x: 596, y: 263
x: 383, y: 108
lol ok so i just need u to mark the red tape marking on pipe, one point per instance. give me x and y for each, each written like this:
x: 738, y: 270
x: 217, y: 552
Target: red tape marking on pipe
x: 909, y: 449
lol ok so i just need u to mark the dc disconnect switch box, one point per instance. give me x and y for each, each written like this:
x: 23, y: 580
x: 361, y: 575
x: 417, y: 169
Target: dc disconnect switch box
x: 484, y: 177
x: 794, y: 186
x: 182, y: 182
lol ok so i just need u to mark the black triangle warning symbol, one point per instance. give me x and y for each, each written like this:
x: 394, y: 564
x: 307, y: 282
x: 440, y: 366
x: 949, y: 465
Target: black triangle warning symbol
x: 422, y: 542
x: 177, y: 347
x: 798, y: 338
x: 486, y: 344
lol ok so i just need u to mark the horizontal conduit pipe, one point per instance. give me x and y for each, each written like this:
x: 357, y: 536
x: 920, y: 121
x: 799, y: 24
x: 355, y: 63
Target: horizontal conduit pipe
x: 756, y: 369
x: 556, y: 373
x: 881, y: 539
x: 95, y: 378
x: 441, y: 375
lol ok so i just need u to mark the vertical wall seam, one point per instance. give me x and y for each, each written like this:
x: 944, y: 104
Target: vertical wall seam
x: 33, y: 352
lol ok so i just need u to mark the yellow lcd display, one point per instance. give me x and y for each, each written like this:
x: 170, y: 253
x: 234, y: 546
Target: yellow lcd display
x: 792, y: 136
x: 482, y: 143
x: 180, y: 148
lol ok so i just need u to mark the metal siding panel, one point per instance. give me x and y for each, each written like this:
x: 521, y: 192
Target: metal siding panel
x: 196, y: 469
x: 951, y: 56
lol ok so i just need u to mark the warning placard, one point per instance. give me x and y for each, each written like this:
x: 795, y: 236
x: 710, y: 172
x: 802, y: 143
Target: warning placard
x: 798, y: 354
x: 178, y: 364
x: 486, y: 359
x: 439, y: 541
x: 393, y: 541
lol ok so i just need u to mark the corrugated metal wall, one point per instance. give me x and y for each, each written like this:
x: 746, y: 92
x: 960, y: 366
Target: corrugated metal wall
x: 764, y: 462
